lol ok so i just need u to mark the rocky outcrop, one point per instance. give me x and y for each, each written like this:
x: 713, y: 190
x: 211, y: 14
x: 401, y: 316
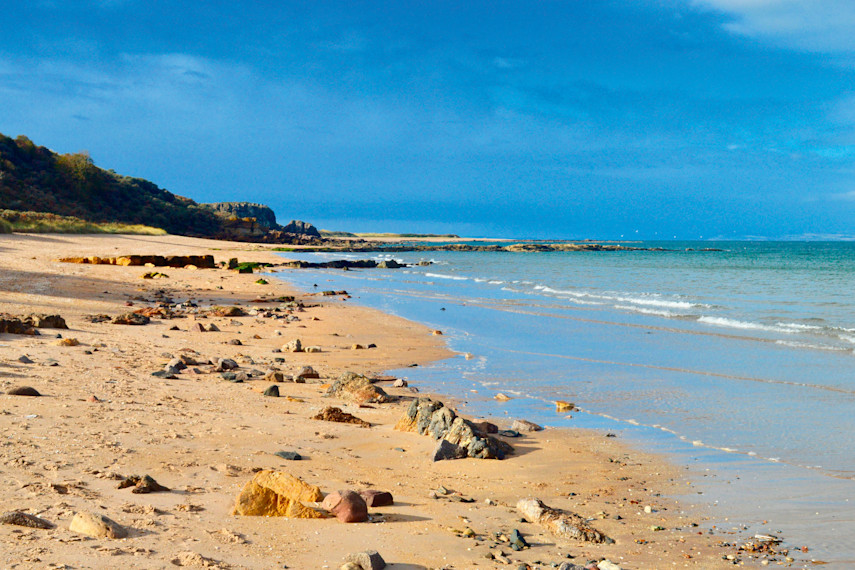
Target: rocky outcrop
x: 432, y: 417
x: 27, y: 325
x: 262, y: 214
x: 278, y: 494
x: 198, y: 261
x: 302, y: 229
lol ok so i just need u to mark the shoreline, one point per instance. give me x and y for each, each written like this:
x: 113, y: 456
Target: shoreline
x: 209, y: 434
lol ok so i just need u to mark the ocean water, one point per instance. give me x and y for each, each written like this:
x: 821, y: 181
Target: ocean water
x: 737, y: 363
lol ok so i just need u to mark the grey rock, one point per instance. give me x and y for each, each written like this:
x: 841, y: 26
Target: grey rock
x: 23, y: 391
x: 226, y: 364
x: 25, y: 519
x: 289, y: 455
x: 446, y: 450
x: 272, y: 391
x: 25, y: 359
x: 293, y: 346
x: 525, y: 425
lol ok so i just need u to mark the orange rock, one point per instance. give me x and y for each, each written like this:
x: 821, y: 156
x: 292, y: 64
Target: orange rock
x: 277, y: 494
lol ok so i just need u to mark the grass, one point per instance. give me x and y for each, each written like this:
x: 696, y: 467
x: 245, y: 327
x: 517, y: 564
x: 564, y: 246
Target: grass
x: 44, y: 223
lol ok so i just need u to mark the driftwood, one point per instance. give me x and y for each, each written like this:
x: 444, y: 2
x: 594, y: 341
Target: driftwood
x: 559, y: 523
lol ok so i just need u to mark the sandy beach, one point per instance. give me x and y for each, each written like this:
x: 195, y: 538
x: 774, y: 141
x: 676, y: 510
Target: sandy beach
x: 103, y: 417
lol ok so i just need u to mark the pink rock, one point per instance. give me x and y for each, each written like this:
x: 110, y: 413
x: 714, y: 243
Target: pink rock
x: 347, y: 506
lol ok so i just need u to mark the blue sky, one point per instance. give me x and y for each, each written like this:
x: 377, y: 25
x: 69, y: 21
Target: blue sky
x: 573, y: 119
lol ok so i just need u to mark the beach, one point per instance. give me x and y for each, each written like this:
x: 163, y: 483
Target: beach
x: 103, y: 417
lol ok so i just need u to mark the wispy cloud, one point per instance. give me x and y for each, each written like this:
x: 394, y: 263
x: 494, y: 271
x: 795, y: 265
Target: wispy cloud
x: 814, y: 25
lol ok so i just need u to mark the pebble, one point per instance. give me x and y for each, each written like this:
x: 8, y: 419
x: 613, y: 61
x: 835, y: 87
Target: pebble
x: 25, y: 359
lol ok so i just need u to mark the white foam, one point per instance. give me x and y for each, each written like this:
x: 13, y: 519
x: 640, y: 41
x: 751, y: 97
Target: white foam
x: 643, y: 311
x: 734, y: 324
x: 444, y: 276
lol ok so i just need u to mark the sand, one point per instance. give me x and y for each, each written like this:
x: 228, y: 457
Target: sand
x: 103, y: 415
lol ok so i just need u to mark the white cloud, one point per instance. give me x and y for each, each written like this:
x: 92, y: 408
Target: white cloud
x: 815, y: 25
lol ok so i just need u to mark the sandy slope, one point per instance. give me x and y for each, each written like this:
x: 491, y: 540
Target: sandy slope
x: 202, y: 436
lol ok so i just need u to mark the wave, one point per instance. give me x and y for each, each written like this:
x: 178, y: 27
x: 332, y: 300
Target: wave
x: 743, y: 325
x: 655, y: 312
x: 444, y: 276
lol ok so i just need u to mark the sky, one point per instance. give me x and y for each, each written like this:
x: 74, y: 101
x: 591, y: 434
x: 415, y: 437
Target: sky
x: 649, y: 119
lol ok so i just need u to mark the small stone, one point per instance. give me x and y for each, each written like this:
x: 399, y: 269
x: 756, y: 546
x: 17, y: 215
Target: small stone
x: 607, y: 565
x: 198, y: 327
x: 400, y: 383
x: 235, y: 342
x: 226, y: 364
x: 562, y: 406
x: 367, y: 560
x: 272, y: 391
x: 312, y: 349
x: 131, y: 319
x: 25, y: 359
x: 293, y: 346
x: 501, y: 397
x: 23, y: 391
x: 97, y: 525
x: 213, y: 328
x: 436, y: 333
x: 142, y: 485
x: 289, y: 455
x: 67, y: 342
x: 274, y: 376
x: 357, y: 347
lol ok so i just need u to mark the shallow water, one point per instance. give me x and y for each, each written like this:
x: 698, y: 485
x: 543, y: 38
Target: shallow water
x: 741, y: 362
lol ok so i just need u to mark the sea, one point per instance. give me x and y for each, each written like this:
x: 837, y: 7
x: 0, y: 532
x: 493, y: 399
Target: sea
x: 738, y: 363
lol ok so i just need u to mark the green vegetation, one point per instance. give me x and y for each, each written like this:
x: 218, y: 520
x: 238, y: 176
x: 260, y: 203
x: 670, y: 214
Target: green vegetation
x: 44, y: 223
x: 34, y: 178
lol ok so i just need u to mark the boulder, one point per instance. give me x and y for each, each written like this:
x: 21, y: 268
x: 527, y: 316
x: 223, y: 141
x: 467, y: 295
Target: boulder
x: 301, y: 228
x: 272, y: 391
x: 307, y: 372
x: 293, y: 346
x: 274, y: 376
x: 559, y: 523
x: 46, y: 321
x: 368, y: 560
x: 525, y: 425
x: 277, y: 494
x: 347, y: 506
x: 357, y: 388
x: 375, y: 498
x: 97, y: 525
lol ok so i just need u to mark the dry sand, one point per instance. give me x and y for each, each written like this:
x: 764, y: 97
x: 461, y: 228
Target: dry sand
x: 203, y: 437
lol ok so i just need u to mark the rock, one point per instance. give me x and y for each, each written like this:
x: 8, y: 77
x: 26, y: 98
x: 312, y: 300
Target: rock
x: 374, y: 498
x: 312, y: 349
x: 166, y: 374
x: 177, y: 364
x: 399, y: 383
x: 357, y: 388
x: 562, y: 406
x: 272, y: 391
x: 332, y: 414
x: 23, y: 391
x: 131, y: 319
x: 190, y: 558
x: 486, y: 427
x: 390, y: 264
x: 347, y: 506
x: 226, y: 364
x: 525, y: 425
x: 436, y: 333
x: 97, y: 525
x: 446, y: 450
x: 235, y: 342
x: 277, y: 494
x: 213, y: 328
x: 46, y: 321
x: 368, y: 560
x: 274, y: 376
x: 25, y: 519
x: 350, y: 566
x: 289, y: 455
x: 67, y: 342
x: 357, y: 347
x: 293, y: 346
x: 607, y: 565
x: 301, y: 228
x: 501, y: 397
x: 307, y: 372
x: 142, y: 485
x: 508, y: 433
x: 230, y: 311
x: 24, y: 359
x: 517, y: 541
x: 198, y: 327
x: 564, y: 525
